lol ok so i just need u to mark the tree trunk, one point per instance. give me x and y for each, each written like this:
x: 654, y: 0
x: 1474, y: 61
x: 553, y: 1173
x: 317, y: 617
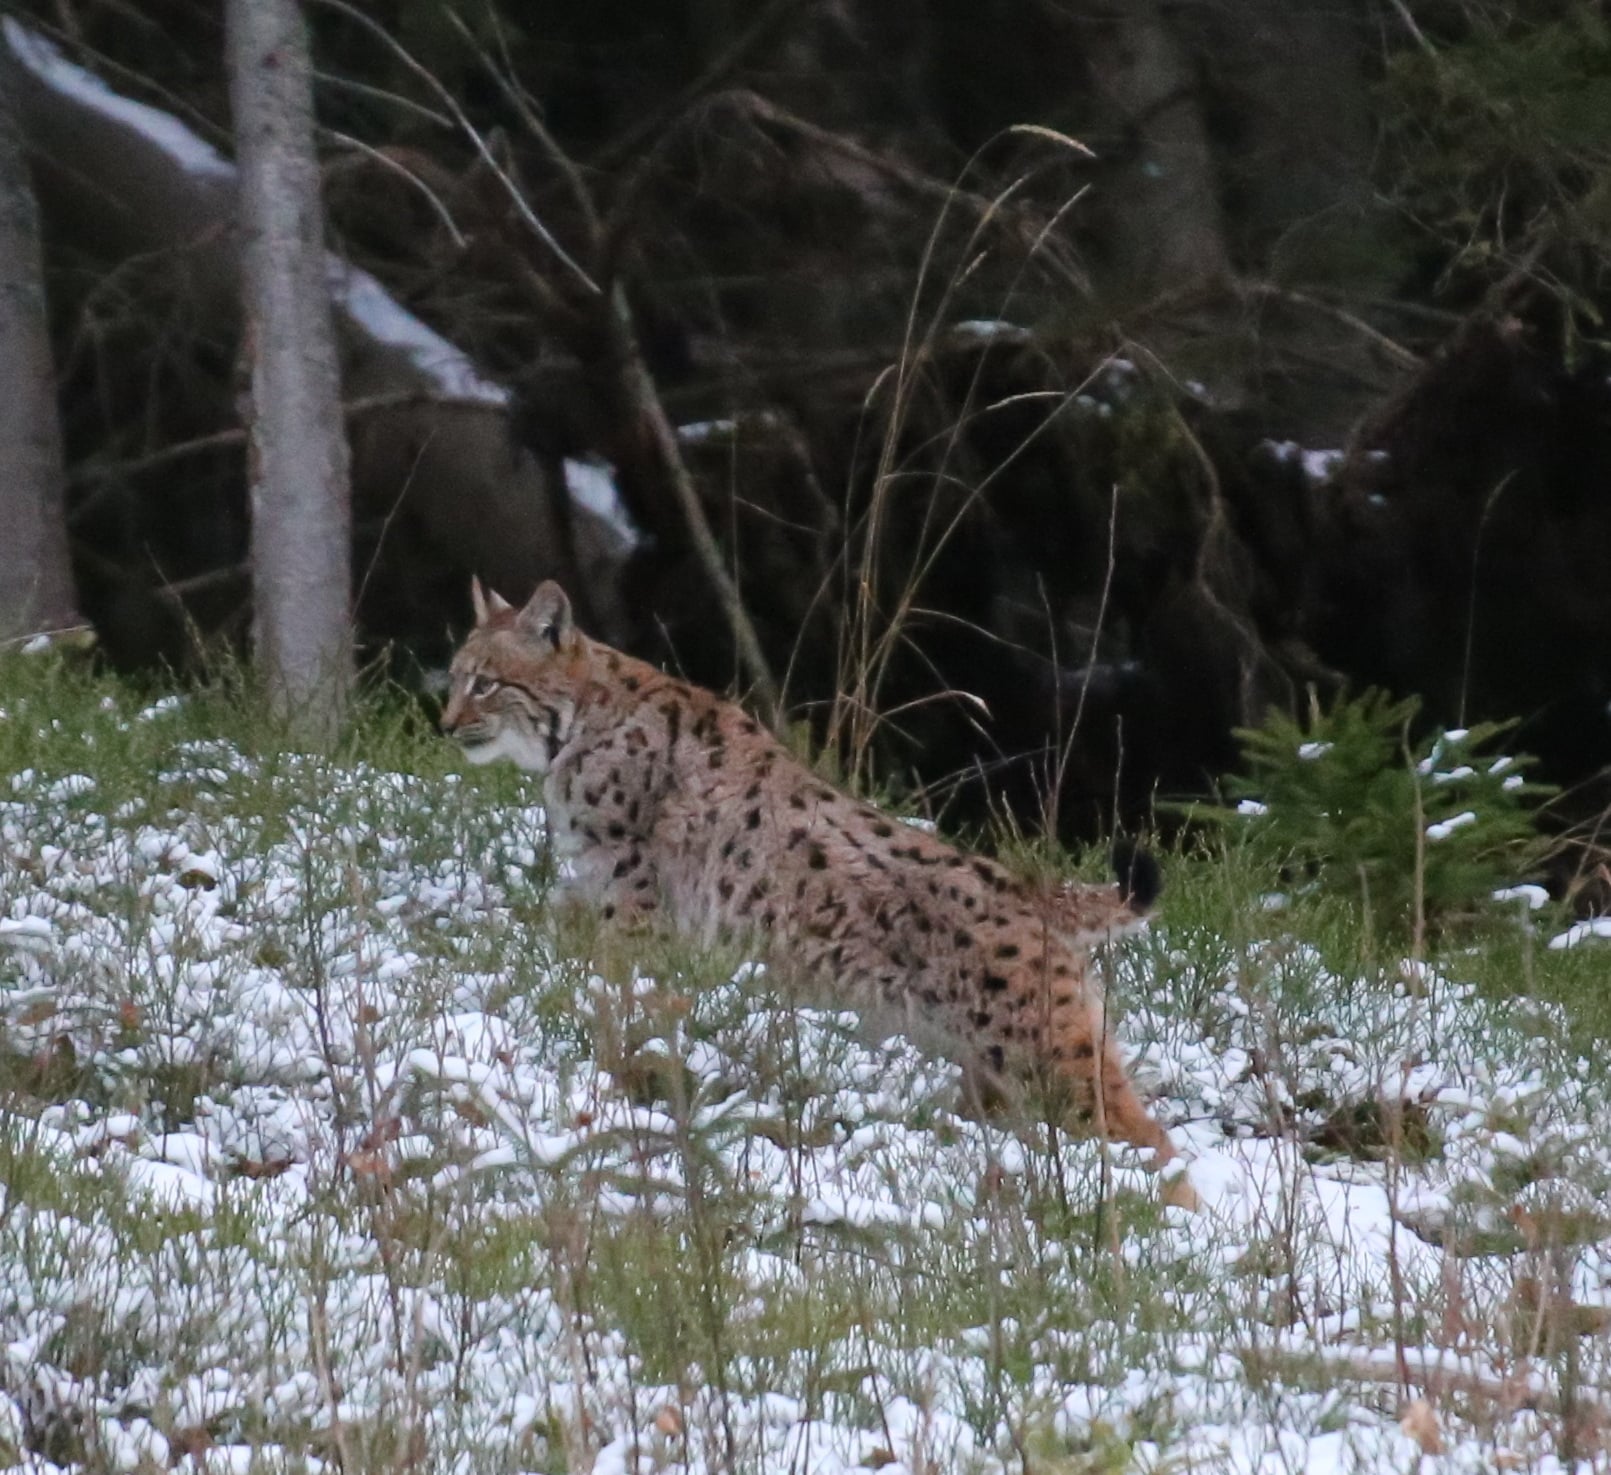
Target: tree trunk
x: 1168, y: 227
x: 36, y: 577
x: 301, y: 515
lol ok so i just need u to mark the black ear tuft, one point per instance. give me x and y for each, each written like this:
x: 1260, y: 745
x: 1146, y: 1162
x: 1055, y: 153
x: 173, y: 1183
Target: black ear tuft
x: 1140, y: 881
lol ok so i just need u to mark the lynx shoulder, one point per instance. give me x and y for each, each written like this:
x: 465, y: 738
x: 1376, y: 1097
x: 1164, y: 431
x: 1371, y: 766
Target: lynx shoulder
x: 671, y: 803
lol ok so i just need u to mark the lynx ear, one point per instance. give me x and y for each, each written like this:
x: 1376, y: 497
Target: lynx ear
x: 547, y: 616
x: 487, y: 602
x: 1137, y: 874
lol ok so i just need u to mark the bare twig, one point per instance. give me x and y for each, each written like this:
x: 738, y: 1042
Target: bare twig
x: 1389, y: 346
x: 69, y: 637
x: 395, y: 166
x: 1416, y: 33
x: 1066, y: 741
x: 477, y: 141
x: 531, y: 119
x: 175, y: 591
x: 100, y: 471
x: 385, y: 95
x: 715, y: 75
x: 638, y: 387
x: 1471, y: 591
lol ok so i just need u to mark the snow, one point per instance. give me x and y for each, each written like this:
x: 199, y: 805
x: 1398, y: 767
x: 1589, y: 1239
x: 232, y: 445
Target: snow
x: 161, y: 707
x: 361, y: 1047
x: 1585, y: 931
x: 1444, y: 828
x: 697, y: 432
x: 26, y: 931
x: 1318, y: 466
x: 1534, y: 897
x: 991, y: 330
x: 357, y: 294
x: 49, y: 66
x: 592, y: 485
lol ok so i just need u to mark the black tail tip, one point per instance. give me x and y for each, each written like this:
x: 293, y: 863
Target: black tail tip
x: 1140, y: 881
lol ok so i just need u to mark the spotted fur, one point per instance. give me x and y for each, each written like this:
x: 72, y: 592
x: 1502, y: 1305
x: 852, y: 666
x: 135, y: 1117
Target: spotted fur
x: 671, y: 802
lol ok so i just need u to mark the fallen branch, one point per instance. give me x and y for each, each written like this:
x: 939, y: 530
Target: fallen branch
x: 1442, y: 1372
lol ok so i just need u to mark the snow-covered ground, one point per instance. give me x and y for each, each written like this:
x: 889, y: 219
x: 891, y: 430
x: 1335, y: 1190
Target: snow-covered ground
x: 321, y: 1148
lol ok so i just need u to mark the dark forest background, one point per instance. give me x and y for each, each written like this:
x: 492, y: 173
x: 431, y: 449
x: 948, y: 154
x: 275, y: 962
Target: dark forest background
x: 997, y: 343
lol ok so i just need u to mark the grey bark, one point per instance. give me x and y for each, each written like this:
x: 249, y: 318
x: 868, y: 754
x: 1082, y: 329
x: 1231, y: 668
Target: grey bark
x: 36, y: 577
x: 1169, y: 229
x: 301, y: 505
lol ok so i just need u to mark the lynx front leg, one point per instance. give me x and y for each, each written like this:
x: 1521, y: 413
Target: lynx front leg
x: 602, y: 833
x: 630, y: 894
x: 619, y: 882
x: 612, y: 897
x: 604, y: 865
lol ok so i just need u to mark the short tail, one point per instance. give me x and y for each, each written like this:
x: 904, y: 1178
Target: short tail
x: 1139, y: 879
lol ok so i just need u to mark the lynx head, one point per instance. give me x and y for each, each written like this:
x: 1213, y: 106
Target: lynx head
x: 516, y: 680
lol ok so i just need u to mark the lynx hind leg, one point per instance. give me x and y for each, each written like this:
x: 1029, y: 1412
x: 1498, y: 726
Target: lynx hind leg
x: 1122, y: 1111
x: 1088, y: 1063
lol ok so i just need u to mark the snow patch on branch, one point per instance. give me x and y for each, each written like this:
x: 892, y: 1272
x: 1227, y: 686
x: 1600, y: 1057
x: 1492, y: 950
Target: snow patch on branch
x: 591, y: 485
x: 50, y: 67
x: 376, y: 313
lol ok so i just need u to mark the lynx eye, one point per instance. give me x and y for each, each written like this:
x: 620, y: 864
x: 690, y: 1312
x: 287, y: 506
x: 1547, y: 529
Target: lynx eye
x: 482, y: 686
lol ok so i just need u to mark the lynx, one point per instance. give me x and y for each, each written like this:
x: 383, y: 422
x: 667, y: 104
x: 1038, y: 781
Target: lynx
x: 671, y: 803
